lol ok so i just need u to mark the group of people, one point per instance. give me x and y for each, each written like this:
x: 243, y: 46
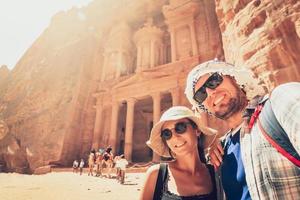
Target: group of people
x: 78, y: 165
x: 100, y: 159
x: 247, y: 162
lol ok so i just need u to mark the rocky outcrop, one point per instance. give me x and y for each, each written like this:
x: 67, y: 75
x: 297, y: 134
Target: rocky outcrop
x: 44, y: 98
x: 47, y: 102
x: 4, y: 72
x: 263, y: 36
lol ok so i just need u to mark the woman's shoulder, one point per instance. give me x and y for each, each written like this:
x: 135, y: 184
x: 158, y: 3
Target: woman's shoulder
x: 153, y: 170
x: 150, y: 182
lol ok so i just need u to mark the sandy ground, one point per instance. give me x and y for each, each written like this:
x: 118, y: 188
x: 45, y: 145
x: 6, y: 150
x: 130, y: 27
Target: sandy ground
x: 67, y: 185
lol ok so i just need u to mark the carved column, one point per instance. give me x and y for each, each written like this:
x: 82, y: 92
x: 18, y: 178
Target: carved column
x: 193, y: 39
x: 139, y: 57
x: 129, y: 128
x: 147, y: 40
x: 175, y: 93
x: 114, y: 124
x: 104, y: 65
x: 173, y: 46
x: 97, y: 126
x: 156, y: 115
x: 152, y: 52
x: 120, y: 63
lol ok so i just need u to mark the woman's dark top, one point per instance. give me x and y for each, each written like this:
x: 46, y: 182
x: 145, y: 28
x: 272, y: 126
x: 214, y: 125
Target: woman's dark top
x: 167, y: 195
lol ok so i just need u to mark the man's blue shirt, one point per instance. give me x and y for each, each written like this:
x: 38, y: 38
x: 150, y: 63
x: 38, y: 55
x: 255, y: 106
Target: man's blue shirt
x: 232, y: 169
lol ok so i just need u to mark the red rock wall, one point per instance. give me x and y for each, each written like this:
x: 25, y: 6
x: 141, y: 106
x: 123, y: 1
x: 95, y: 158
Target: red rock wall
x: 262, y: 35
x: 46, y: 101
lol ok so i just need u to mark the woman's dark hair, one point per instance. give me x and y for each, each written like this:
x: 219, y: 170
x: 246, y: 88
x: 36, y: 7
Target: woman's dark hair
x: 199, y: 142
x: 201, y: 148
x: 109, y: 149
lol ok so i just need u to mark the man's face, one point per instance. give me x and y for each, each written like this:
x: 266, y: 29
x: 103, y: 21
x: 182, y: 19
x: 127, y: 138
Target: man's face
x: 225, y: 100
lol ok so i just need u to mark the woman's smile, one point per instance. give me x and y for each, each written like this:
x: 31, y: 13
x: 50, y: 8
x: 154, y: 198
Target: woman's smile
x: 180, y: 145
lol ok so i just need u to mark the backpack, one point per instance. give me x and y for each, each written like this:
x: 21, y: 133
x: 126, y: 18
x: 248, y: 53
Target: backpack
x: 272, y: 130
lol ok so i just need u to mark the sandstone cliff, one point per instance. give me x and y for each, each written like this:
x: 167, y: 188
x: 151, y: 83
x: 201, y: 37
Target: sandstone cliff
x: 263, y: 36
x: 47, y: 112
x: 47, y: 102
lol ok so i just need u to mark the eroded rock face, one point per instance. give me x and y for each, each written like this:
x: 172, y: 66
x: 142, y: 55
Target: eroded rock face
x: 47, y: 102
x: 42, y: 101
x: 263, y: 36
x: 13, y: 156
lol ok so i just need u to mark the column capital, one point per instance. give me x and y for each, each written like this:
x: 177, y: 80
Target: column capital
x: 174, y: 89
x: 115, y: 102
x: 155, y: 95
x: 175, y: 93
x: 131, y: 100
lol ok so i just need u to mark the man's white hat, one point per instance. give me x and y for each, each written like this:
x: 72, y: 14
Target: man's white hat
x: 243, y: 76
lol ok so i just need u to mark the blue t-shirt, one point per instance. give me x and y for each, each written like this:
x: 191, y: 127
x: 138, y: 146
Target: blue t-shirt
x: 233, y: 172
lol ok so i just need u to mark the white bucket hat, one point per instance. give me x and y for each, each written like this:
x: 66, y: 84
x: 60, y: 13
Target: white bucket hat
x: 174, y: 113
x: 243, y: 76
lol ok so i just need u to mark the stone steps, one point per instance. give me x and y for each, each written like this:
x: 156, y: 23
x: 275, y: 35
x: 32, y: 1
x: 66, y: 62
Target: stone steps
x: 133, y: 168
x: 104, y: 170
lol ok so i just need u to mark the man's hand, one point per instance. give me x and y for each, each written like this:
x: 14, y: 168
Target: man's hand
x: 215, y: 152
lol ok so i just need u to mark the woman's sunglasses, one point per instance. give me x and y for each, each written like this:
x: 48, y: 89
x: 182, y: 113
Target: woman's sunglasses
x: 180, y: 128
x: 212, y: 83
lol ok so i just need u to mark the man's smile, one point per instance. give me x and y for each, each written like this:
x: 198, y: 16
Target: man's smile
x: 218, y: 99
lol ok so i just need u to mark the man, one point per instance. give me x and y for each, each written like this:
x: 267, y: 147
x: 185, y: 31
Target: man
x: 99, y: 162
x: 121, y: 163
x: 251, y: 167
x: 81, y: 165
x: 75, y: 166
x: 91, y: 162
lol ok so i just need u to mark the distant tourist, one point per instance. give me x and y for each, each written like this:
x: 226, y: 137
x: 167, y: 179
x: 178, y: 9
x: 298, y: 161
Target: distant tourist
x: 81, y: 165
x: 99, y: 160
x: 122, y: 163
x: 118, y: 170
x: 91, y: 162
x: 75, y: 166
x: 108, y: 160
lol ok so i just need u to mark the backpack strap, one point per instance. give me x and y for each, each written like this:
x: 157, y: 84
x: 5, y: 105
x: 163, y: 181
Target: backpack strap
x: 275, y: 134
x: 160, y: 182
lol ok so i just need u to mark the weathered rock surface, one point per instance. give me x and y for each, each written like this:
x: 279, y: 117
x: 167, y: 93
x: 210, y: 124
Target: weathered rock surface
x: 47, y: 102
x: 263, y: 36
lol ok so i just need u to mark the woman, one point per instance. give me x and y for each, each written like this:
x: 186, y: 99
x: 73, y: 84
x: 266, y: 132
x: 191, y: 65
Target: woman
x: 91, y: 162
x: 108, y: 158
x: 186, y: 176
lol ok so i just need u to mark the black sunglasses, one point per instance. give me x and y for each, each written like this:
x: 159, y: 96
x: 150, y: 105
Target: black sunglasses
x: 212, y: 83
x: 180, y: 128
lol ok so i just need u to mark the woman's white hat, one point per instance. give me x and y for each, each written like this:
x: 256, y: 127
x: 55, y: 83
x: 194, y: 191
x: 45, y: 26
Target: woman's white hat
x: 174, y: 113
x: 243, y: 76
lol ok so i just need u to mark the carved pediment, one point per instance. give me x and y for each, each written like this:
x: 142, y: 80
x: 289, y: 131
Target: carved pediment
x: 142, y: 77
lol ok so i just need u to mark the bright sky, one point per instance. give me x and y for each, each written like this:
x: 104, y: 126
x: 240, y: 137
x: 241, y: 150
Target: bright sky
x: 22, y: 21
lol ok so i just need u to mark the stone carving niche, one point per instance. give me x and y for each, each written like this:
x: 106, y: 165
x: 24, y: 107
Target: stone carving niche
x: 118, y: 53
x: 150, y: 47
x: 180, y: 17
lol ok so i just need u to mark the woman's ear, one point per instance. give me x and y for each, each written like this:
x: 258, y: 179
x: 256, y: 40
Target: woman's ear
x: 198, y: 132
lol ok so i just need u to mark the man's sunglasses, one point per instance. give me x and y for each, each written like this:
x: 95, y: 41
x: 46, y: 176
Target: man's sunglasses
x: 180, y: 128
x: 212, y: 83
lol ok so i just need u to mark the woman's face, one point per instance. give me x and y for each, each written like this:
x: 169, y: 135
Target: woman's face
x: 183, y: 137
